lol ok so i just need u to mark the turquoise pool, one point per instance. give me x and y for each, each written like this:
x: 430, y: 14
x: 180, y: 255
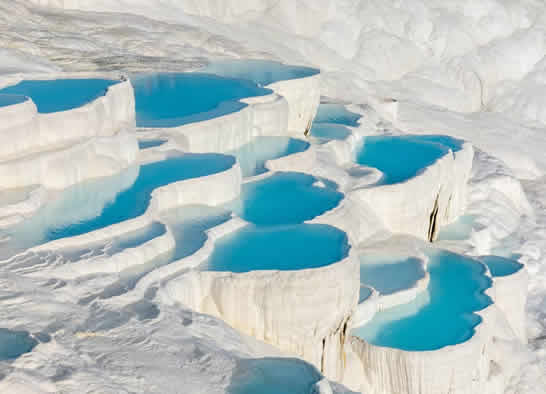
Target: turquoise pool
x: 60, y: 94
x: 11, y: 99
x: 273, y: 376
x: 501, y: 266
x: 284, y: 248
x: 389, y: 275
x: 284, y: 198
x: 400, y: 158
x: 336, y: 114
x: 459, y: 230
x: 261, y: 72
x: 15, y: 343
x: 330, y: 131
x: 169, y: 100
x: 443, y: 315
x: 252, y: 156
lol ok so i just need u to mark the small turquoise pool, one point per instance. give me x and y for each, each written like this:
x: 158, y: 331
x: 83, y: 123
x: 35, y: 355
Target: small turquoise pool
x: 145, y: 144
x: 189, y: 224
x: 273, y: 376
x: 60, y: 94
x: 261, y: 72
x: 400, y: 158
x: 459, y: 230
x: 11, y: 99
x: 169, y: 100
x: 285, y: 248
x: 441, y: 316
x: 501, y: 266
x: 15, y: 343
x: 389, y: 275
x: 284, y: 198
x: 252, y: 156
x: 330, y: 131
x: 337, y: 114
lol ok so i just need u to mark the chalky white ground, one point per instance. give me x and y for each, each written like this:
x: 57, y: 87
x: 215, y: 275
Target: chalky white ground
x: 474, y: 70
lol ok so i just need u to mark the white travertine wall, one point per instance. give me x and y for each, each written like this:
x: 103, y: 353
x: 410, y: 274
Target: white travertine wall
x: 63, y: 167
x: 303, y: 97
x: 303, y: 313
x: 511, y: 300
x: 30, y: 132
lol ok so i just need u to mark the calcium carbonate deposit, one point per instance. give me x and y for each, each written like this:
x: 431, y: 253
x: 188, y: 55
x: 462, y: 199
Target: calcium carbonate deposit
x: 273, y: 196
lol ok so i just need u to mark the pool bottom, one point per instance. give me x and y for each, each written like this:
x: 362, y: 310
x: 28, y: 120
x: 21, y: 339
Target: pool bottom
x: 389, y: 275
x: 284, y: 198
x: 253, y: 156
x: 284, y: 248
x: 441, y: 316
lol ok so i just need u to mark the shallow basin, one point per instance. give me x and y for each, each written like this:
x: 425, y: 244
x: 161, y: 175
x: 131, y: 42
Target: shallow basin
x: 441, y: 316
x: 284, y: 248
x: 60, y: 94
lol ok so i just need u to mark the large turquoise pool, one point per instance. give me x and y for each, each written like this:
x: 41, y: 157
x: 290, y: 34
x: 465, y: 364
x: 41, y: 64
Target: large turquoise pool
x: 284, y: 198
x: 169, y: 100
x: 389, y: 275
x: 400, y: 158
x: 60, y: 94
x: 443, y: 315
x: 285, y: 248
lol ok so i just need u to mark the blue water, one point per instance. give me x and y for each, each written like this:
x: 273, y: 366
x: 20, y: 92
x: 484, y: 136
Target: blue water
x: 364, y: 294
x: 189, y: 223
x: 441, y: 316
x: 262, y: 72
x: 15, y: 343
x: 133, y: 201
x: 252, y: 156
x: 336, y: 113
x: 169, y: 100
x: 284, y: 198
x: 501, y: 266
x: 284, y: 248
x: 11, y: 99
x: 60, y: 94
x: 330, y: 131
x: 388, y: 276
x: 403, y: 157
x: 145, y: 144
x: 273, y: 376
